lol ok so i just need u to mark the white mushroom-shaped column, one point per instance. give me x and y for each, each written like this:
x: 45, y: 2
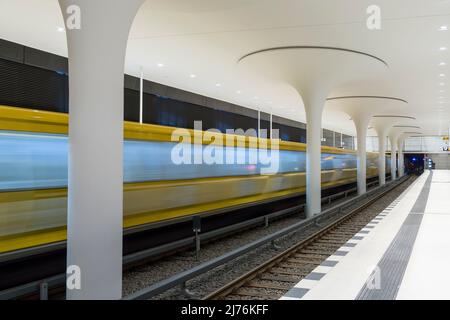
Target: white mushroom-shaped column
x: 401, y: 157
x: 97, y: 37
x: 401, y: 147
x: 313, y: 72
x: 361, y: 109
x: 382, y: 125
x: 393, y: 139
x: 395, y: 135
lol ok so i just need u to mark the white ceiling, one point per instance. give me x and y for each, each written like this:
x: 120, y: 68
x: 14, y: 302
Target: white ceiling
x: 207, y: 38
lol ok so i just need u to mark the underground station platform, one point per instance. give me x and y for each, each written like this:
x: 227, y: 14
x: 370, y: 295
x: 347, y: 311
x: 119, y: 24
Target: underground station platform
x: 224, y: 159
x: 398, y: 255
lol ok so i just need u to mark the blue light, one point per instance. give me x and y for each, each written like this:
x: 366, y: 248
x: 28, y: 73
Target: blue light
x: 414, y: 159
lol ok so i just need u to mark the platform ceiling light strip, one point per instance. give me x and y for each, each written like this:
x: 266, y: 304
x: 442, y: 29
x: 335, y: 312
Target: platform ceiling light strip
x: 395, y: 116
x: 311, y: 47
x: 414, y: 127
x: 367, y: 97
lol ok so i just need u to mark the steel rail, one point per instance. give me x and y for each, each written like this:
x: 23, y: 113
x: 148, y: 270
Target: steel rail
x: 182, y: 278
x: 239, y: 282
x: 42, y: 286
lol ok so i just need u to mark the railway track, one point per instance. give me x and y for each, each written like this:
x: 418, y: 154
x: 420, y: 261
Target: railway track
x: 276, y: 277
x: 53, y: 285
x: 29, y: 271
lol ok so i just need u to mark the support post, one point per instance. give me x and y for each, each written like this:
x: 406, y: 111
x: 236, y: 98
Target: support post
x: 197, y: 228
x: 96, y: 45
x: 141, y: 97
x: 259, y: 123
x: 271, y: 124
x: 401, y: 158
x: 43, y: 291
x: 382, y: 157
x: 313, y: 107
x: 334, y: 139
x: 393, y: 141
x: 362, y: 124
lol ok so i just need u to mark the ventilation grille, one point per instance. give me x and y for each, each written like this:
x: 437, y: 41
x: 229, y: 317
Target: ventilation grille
x: 31, y: 87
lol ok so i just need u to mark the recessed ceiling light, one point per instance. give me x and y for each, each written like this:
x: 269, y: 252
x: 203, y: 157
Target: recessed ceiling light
x: 442, y: 64
x: 443, y: 48
x: 442, y: 84
x: 60, y: 29
x: 256, y: 97
x: 193, y: 76
x: 443, y: 28
x: 160, y: 65
x: 218, y: 85
x: 442, y: 75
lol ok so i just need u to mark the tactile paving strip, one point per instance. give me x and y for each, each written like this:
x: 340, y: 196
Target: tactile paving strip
x: 309, y: 282
x: 392, y: 265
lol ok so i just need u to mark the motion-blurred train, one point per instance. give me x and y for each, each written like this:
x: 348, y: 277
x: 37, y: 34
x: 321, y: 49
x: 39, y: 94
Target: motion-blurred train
x: 33, y: 177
